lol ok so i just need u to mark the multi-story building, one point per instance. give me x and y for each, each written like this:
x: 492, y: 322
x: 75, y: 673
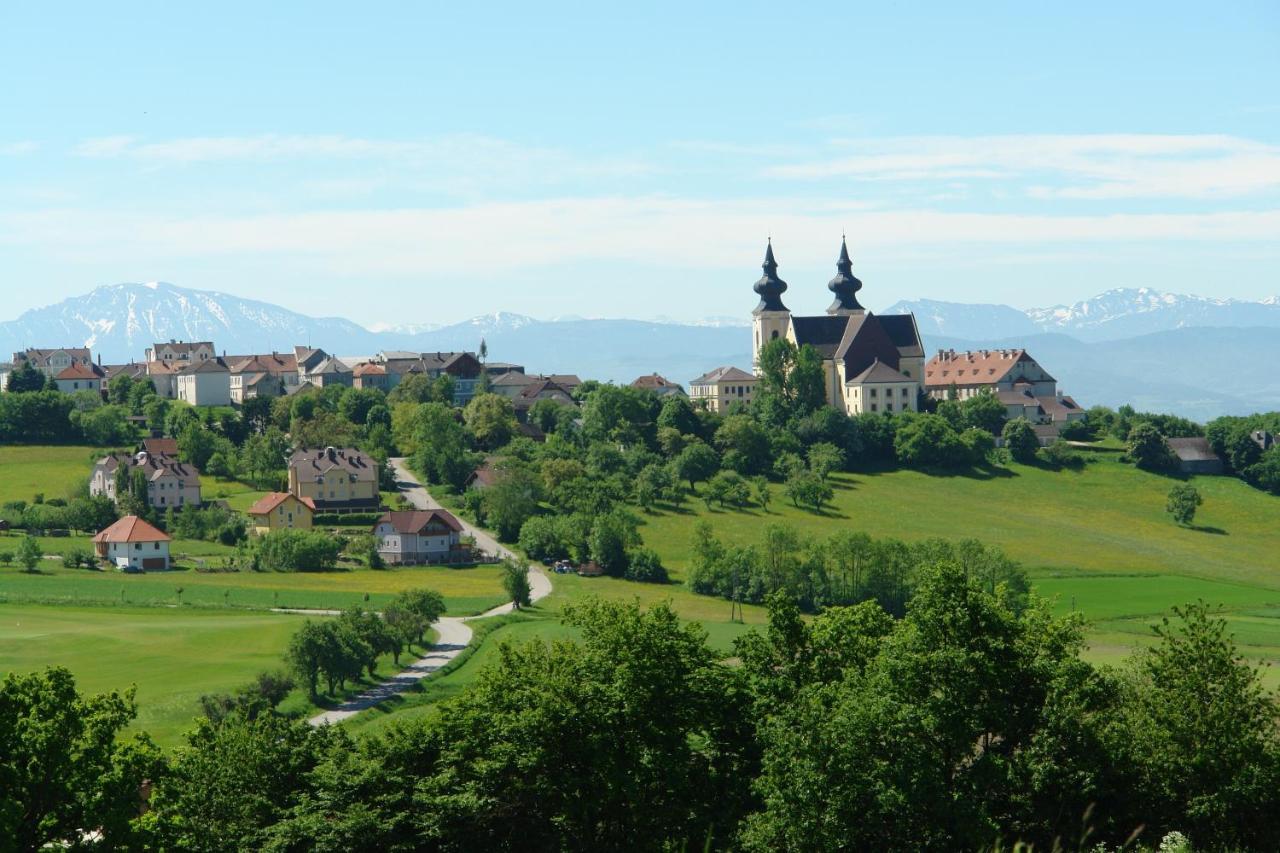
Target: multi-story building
x: 420, y: 536
x: 335, y: 479
x: 133, y: 545
x: 722, y: 387
x: 660, y: 385
x: 267, y: 375
x: 206, y: 382
x: 1024, y: 387
x: 181, y: 353
x: 281, y: 511
x: 170, y: 482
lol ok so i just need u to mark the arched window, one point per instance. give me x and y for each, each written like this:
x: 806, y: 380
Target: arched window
x: 774, y: 336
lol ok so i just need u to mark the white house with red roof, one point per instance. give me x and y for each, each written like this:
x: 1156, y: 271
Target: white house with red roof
x: 133, y: 544
x: 411, y: 537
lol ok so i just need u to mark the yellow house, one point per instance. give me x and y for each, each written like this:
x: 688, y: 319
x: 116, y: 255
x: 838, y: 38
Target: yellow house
x: 281, y: 510
x: 335, y: 479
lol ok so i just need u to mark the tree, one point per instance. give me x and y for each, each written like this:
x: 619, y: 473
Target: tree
x: 292, y: 550
x: 760, y: 491
x: 645, y: 566
x: 305, y: 654
x: 25, y: 378
x: 515, y: 580
x: 1148, y: 449
x: 696, y: 462
x: 612, y: 534
x: 745, y: 445
x: 513, y: 500
x: 806, y: 488
x: 67, y: 765
x: 1182, y: 503
x: 983, y: 411
x: 491, y: 419
x: 1021, y: 441
x: 928, y: 441
x: 824, y: 458
x: 29, y: 553
x: 426, y: 604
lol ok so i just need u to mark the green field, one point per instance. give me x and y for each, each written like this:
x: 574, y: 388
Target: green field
x: 173, y: 656
x: 52, y: 470
x: 1109, y: 518
x: 465, y: 591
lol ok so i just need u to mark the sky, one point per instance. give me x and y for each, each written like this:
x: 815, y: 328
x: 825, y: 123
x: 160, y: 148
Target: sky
x: 402, y: 163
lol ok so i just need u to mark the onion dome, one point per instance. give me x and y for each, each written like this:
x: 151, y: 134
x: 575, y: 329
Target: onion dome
x: 845, y: 285
x: 770, y: 287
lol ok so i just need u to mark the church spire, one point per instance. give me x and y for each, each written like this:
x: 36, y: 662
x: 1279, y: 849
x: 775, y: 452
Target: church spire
x: 770, y: 287
x: 845, y: 285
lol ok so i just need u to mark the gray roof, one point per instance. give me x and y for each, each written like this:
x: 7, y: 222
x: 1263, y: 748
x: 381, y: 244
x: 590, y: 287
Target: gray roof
x: 1192, y: 449
x: 878, y: 373
x: 724, y: 374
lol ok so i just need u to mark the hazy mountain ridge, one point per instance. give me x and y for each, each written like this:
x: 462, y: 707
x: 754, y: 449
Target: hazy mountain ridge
x: 1196, y: 371
x: 1115, y: 314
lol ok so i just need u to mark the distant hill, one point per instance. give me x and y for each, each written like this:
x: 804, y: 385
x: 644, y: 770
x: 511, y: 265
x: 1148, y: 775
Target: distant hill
x: 1115, y: 314
x: 1196, y: 370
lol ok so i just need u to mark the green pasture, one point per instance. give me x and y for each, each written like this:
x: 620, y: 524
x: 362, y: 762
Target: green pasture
x: 56, y: 471
x: 466, y: 591
x: 1109, y: 517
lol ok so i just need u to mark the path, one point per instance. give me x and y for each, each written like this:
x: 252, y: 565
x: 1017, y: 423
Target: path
x: 453, y: 631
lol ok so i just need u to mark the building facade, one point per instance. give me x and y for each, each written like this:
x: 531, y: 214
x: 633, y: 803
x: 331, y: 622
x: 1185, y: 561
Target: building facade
x: 131, y: 544
x: 718, y: 389
x: 416, y: 537
x: 335, y: 479
x: 204, y: 383
x: 281, y: 511
x: 170, y: 482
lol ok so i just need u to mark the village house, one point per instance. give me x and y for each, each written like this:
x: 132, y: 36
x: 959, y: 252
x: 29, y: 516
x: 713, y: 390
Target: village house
x: 170, y: 482
x: 72, y: 368
x: 134, y: 370
x: 721, y: 387
x: 280, y: 511
x: 864, y: 355
x: 181, y: 353
x: 80, y: 377
x: 464, y: 367
x: 164, y: 376
x: 132, y: 544
x: 331, y: 371
x: 660, y: 385
x: 370, y: 374
x: 265, y: 375
x: 414, y: 537
x: 206, y: 382
x: 335, y: 479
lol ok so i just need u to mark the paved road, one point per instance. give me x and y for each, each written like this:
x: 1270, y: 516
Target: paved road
x: 454, y: 632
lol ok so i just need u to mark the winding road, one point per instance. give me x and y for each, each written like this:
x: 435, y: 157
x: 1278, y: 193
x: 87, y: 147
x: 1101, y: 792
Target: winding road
x: 453, y: 631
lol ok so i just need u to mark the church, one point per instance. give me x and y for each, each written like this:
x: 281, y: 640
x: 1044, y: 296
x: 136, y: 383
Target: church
x: 872, y: 363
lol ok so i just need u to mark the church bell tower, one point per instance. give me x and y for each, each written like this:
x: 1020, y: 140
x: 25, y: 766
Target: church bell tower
x: 770, y: 319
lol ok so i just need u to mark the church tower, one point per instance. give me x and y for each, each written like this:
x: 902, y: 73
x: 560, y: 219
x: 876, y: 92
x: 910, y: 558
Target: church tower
x: 770, y: 319
x: 845, y: 286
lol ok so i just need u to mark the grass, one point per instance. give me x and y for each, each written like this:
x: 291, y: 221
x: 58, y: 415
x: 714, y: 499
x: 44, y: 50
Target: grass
x: 55, y: 471
x: 1110, y: 518
x: 172, y: 655
x: 466, y: 591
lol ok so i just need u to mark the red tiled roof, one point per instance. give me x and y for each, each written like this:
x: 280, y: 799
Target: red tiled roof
x: 132, y: 529
x: 270, y: 501
x: 412, y: 521
x: 79, y: 371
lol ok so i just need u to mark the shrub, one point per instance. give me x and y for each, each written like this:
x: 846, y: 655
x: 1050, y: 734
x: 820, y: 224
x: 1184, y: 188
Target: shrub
x: 646, y: 566
x: 1060, y: 455
x: 298, y: 551
x: 350, y: 519
x: 928, y: 441
x: 76, y: 556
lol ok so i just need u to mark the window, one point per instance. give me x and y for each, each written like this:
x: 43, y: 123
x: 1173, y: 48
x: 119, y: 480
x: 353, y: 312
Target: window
x: 888, y: 407
x: 905, y: 393
x: 157, y: 546
x: 137, y: 546
x: 774, y: 335
x: 873, y: 392
x: 873, y: 407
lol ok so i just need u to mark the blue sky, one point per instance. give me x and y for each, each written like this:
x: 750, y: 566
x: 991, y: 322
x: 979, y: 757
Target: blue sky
x: 427, y: 162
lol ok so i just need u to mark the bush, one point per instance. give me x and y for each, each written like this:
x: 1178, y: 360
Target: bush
x: 1148, y: 449
x: 646, y: 566
x: 76, y: 556
x: 298, y: 551
x: 1060, y: 455
x: 928, y: 441
x: 350, y: 519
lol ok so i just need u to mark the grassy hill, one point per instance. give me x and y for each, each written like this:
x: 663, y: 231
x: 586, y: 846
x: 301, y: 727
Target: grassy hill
x: 1097, y: 540
x: 56, y: 471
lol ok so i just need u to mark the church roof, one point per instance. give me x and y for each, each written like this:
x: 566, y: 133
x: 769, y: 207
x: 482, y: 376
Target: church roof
x: 864, y: 342
x: 769, y: 286
x: 845, y: 285
x: 902, y: 330
x: 878, y: 373
x: 823, y: 333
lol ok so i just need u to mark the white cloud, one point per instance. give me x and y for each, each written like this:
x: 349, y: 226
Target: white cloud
x: 17, y: 149
x: 689, y: 233
x: 1096, y: 166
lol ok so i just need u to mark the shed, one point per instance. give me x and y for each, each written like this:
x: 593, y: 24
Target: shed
x: 1195, y: 456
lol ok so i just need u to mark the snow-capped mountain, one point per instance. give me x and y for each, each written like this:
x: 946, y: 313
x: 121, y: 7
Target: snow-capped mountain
x: 1115, y: 314
x: 119, y: 321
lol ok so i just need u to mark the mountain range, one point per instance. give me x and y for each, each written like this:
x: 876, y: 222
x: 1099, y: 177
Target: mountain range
x: 1196, y: 356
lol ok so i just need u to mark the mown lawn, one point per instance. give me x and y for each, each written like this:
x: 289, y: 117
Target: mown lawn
x: 465, y: 591
x: 56, y: 471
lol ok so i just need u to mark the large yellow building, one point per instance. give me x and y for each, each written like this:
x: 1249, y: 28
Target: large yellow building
x: 335, y: 479
x: 281, y: 511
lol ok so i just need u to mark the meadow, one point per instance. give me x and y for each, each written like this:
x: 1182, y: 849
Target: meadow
x: 466, y: 591
x: 56, y: 471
